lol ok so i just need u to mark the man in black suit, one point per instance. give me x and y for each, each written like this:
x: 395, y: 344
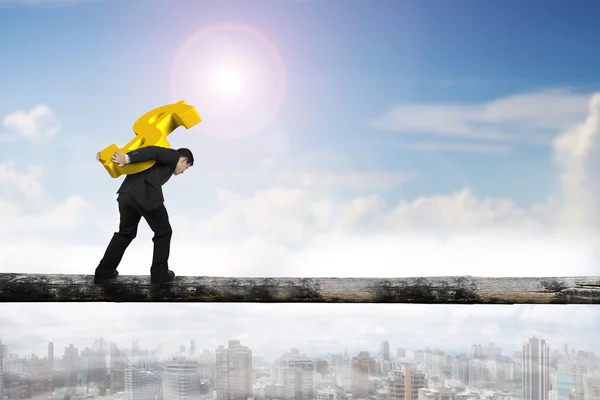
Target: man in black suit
x: 140, y: 195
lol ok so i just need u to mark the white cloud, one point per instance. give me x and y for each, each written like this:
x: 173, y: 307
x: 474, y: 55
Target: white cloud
x: 298, y: 216
x: 533, y: 118
x: 577, y: 152
x: 298, y: 231
x: 464, y: 211
x: 272, y: 176
x: 309, y: 233
x: 36, y: 124
x: 27, y: 184
x: 318, y: 170
x: 26, y: 209
x: 20, y: 223
x: 67, y: 214
x: 327, y: 255
x: 545, y: 317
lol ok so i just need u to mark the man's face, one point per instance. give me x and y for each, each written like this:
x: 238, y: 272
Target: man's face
x: 181, y: 166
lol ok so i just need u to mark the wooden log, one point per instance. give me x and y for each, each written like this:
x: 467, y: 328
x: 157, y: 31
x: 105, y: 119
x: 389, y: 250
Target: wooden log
x: 429, y: 290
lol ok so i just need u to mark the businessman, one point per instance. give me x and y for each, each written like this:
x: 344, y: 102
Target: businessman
x: 140, y: 195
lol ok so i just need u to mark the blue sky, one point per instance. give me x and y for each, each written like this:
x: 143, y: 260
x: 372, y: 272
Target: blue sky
x: 344, y: 64
x: 392, y: 117
x: 412, y: 137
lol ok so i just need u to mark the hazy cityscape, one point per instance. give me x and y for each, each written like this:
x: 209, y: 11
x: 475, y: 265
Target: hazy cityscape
x: 540, y: 371
x: 348, y: 139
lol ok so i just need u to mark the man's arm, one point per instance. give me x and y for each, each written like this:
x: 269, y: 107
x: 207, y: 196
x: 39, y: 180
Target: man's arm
x: 161, y: 155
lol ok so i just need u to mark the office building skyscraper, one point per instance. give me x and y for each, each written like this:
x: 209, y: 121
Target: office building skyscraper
x: 1, y: 371
x: 405, y: 383
x: 51, y: 354
x: 385, y: 350
x: 536, y: 370
x: 182, y: 380
x: 234, y: 372
x: 299, y: 378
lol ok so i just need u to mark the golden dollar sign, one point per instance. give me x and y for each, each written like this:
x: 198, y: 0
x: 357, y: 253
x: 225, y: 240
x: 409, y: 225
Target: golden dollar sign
x: 151, y: 129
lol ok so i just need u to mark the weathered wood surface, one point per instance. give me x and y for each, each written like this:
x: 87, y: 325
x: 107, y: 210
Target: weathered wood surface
x: 430, y: 290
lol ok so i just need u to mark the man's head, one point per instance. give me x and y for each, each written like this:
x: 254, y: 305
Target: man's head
x: 186, y: 160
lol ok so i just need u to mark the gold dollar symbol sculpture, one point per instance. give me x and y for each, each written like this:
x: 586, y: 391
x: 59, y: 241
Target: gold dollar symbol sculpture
x: 151, y: 129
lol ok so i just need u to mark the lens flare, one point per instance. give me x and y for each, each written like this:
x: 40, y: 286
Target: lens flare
x: 233, y: 75
x: 228, y: 80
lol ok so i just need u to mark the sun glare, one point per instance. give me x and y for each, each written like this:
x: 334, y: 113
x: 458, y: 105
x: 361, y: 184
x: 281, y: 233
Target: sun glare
x: 228, y: 80
x: 233, y: 75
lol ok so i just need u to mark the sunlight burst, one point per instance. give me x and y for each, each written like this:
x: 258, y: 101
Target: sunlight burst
x: 228, y: 80
x: 233, y: 75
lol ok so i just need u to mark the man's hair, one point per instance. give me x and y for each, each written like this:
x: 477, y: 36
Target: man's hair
x: 183, y: 152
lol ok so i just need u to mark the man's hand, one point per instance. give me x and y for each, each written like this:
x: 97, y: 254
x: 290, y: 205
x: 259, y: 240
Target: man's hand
x: 118, y: 158
x: 98, y: 156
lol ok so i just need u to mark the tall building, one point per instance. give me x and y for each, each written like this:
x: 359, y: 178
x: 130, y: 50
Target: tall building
x: 71, y: 359
x: 477, y: 351
x: 281, y: 361
x: 141, y: 384
x: 182, y: 381
x: 420, y: 355
x: 84, y: 371
x: 385, y: 367
x: 100, y: 344
x: 460, y: 368
x: 40, y: 376
x: 117, y: 380
x: 400, y: 352
x: 438, y: 362
x: 299, y: 379
x: 1, y: 372
x: 136, y: 349
x: 233, y: 372
x: 536, y: 370
x: 476, y: 372
x: 51, y: 354
x: 96, y: 362
x: 493, y: 352
x: 207, y: 363
x: 385, y: 350
x: 360, y: 374
x: 591, y: 388
x: 405, y: 383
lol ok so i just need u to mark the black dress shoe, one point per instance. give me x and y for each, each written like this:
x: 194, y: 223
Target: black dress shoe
x: 105, y: 278
x: 163, y: 279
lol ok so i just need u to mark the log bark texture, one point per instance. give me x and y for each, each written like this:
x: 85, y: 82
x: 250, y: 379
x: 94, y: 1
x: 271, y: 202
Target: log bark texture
x: 429, y: 290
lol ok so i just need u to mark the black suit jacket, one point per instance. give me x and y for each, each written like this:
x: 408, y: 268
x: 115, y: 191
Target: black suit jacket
x: 146, y: 186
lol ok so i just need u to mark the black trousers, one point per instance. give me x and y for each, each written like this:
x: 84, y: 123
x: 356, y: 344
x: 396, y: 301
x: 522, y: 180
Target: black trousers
x: 130, y: 214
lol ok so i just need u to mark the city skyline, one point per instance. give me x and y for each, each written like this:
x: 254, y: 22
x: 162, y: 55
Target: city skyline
x: 388, y: 138
x: 234, y: 372
x: 313, y: 328
x: 147, y: 350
